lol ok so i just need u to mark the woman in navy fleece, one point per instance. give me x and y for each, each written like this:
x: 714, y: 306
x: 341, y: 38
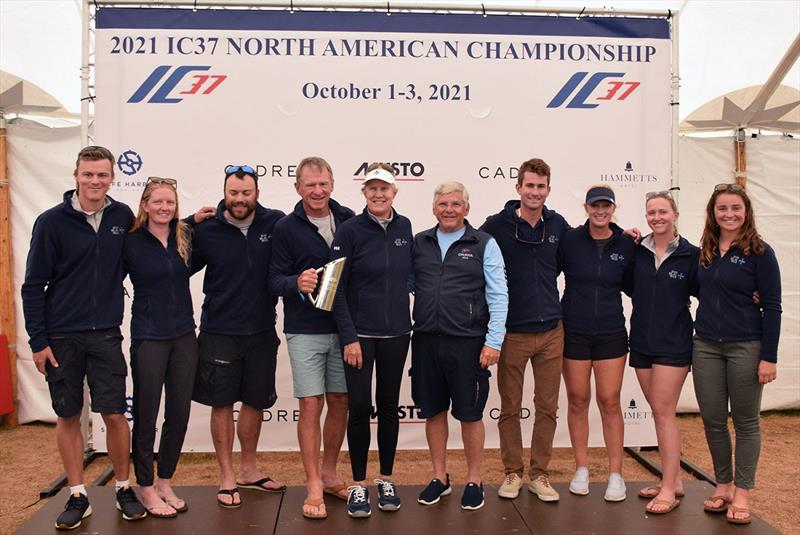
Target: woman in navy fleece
x: 664, y: 275
x: 595, y: 259
x: 736, y: 342
x: 372, y: 315
x: 163, y: 347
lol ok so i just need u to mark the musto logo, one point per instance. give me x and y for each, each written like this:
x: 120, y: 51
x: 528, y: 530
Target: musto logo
x: 196, y: 84
x: 610, y: 89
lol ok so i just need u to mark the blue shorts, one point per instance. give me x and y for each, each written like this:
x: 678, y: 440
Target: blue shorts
x: 447, y: 369
x: 317, y: 364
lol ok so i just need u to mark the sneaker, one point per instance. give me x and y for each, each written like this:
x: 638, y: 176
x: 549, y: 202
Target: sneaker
x: 615, y: 491
x: 358, y: 501
x: 510, y: 486
x: 388, y: 500
x: 129, y: 504
x: 580, y: 482
x: 541, y: 487
x: 77, y: 509
x: 473, y: 497
x: 435, y: 490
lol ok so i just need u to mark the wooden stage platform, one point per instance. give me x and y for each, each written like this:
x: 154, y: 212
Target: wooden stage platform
x: 267, y: 513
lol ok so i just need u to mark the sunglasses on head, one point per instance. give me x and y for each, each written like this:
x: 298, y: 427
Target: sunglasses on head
x: 728, y: 187
x: 159, y: 180
x: 233, y: 169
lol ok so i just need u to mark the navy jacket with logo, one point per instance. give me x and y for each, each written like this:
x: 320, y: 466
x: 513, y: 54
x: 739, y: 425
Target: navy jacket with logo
x: 592, y: 304
x: 531, y: 258
x: 727, y: 312
x: 73, y: 276
x: 298, y: 247
x: 237, y: 299
x: 162, y: 303
x: 661, y: 324
x: 374, y: 286
x: 450, y: 294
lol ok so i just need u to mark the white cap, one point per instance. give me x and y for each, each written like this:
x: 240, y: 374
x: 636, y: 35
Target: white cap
x: 380, y: 174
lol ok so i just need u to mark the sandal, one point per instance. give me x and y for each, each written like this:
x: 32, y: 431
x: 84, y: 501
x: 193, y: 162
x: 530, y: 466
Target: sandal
x: 652, y: 491
x: 671, y: 505
x: 229, y: 492
x: 260, y: 485
x: 721, y: 509
x: 174, y: 504
x: 740, y: 510
x: 153, y: 511
x: 319, y: 503
x: 336, y: 490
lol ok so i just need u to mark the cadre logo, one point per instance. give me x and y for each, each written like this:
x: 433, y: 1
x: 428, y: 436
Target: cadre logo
x: 197, y: 84
x: 405, y: 171
x: 487, y: 172
x: 613, y: 90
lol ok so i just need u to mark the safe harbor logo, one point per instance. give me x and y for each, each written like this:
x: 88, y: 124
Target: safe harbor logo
x: 176, y: 79
x: 633, y: 415
x: 597, y: 88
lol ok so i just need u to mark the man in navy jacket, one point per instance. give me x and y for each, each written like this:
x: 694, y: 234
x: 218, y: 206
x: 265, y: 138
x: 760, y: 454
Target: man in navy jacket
x: 528, y: 234
x: 302, y: 244
x: 72, y: 300
x: 238, y: 343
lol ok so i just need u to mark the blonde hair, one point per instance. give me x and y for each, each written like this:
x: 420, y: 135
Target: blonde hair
x: 664, y: 195
x: 183, y: 240
x: 451, y: 187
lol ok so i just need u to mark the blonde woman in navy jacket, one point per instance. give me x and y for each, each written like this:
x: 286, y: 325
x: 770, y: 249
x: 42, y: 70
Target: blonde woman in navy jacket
x: 664, y: 275
x: 374, y: 322
x: 164, y: 346
x: 736, y: 343
x: 594, y: 258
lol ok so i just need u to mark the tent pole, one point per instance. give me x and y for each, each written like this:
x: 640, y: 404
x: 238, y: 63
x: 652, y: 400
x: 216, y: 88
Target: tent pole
x: 7, y: 312
x: 741, y: 161
x: 675, y: 179
x: 85, y: 73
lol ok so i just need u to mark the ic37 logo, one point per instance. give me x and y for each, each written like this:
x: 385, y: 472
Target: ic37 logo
x: 616, y: 90
x: 203, y: 84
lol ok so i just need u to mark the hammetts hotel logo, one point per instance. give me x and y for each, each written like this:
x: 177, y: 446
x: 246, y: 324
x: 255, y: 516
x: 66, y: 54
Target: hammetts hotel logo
x: 628, y: 175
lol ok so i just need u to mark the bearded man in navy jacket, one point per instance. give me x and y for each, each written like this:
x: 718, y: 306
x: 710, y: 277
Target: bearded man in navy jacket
x: 72, y: 300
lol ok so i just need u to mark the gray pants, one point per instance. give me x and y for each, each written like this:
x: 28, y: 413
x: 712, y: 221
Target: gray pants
x: 722, y: 372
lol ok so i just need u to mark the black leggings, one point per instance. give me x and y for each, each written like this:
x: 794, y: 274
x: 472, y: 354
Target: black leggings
x: 388, y: 357
x: 170, y: 364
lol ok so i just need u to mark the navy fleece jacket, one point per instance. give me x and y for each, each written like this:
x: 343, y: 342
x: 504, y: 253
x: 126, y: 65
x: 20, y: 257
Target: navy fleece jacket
x: 299, y: 246
x: 73, y: 276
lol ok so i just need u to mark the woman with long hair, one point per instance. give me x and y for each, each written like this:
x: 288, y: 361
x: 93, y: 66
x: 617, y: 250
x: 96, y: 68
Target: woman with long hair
x: 664, y: 276
x: 736, y: 342
x: 372, y: 315
x: 163, y: 347
x: 595, y: 258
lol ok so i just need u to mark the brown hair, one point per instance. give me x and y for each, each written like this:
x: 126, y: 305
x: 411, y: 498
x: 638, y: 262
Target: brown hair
x: 94, y: 153
x: 534, y: 165
x: 183, y: 240
x: 749, y: 241
x: 313, y: 161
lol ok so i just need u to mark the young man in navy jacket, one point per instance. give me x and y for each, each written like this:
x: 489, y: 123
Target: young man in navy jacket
x: 238, y: 343
x: 72, y: 300
x: 528, y: 234
x: 302, y: 244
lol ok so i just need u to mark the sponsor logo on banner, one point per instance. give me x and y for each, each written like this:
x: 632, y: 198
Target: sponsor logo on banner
x: 407, y: 414
x: 633, y: 415
x: 628, y: 177
x: 492, y: 172
x: 580, y: 92
x: 129, y: 162
x: 166, y: 81
x: 405, y: 171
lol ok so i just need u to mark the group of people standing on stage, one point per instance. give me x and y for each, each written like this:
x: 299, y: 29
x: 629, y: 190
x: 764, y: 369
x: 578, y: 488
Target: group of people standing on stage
x: 483, y: 296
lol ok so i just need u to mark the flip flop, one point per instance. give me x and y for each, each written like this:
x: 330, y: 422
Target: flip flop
x: 174, y: 505
x: 720, y: 509
x: 318, y: 503
x: 336, y: 490
x: 151, y: 511
x: 733, y: 520
x: 259, y: 485
x: 652, y: 491
x: 231, y: 493
x: 671, y: 505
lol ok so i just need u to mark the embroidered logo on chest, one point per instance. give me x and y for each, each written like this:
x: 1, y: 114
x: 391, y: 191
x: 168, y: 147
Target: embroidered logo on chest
x: 736, y: 259
x: 117, y: 230
x: 264, y: 238
x: 676, y: 275
x: 616, y: 257
x: 400, y: 242
x: 466, y: 253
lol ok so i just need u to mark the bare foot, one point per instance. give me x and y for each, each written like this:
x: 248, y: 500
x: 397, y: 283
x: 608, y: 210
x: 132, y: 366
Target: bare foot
x: 723, y: 489
x: 154, y: 504
x: 165, y: 492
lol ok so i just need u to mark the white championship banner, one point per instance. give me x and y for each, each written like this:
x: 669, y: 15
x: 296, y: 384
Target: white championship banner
x: 182, y: 93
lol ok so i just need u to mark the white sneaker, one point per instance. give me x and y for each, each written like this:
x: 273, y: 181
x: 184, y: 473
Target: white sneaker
x: 580, y: 482
x: 541, y: 487
x: 615, y: 491
x: 510, y: 486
